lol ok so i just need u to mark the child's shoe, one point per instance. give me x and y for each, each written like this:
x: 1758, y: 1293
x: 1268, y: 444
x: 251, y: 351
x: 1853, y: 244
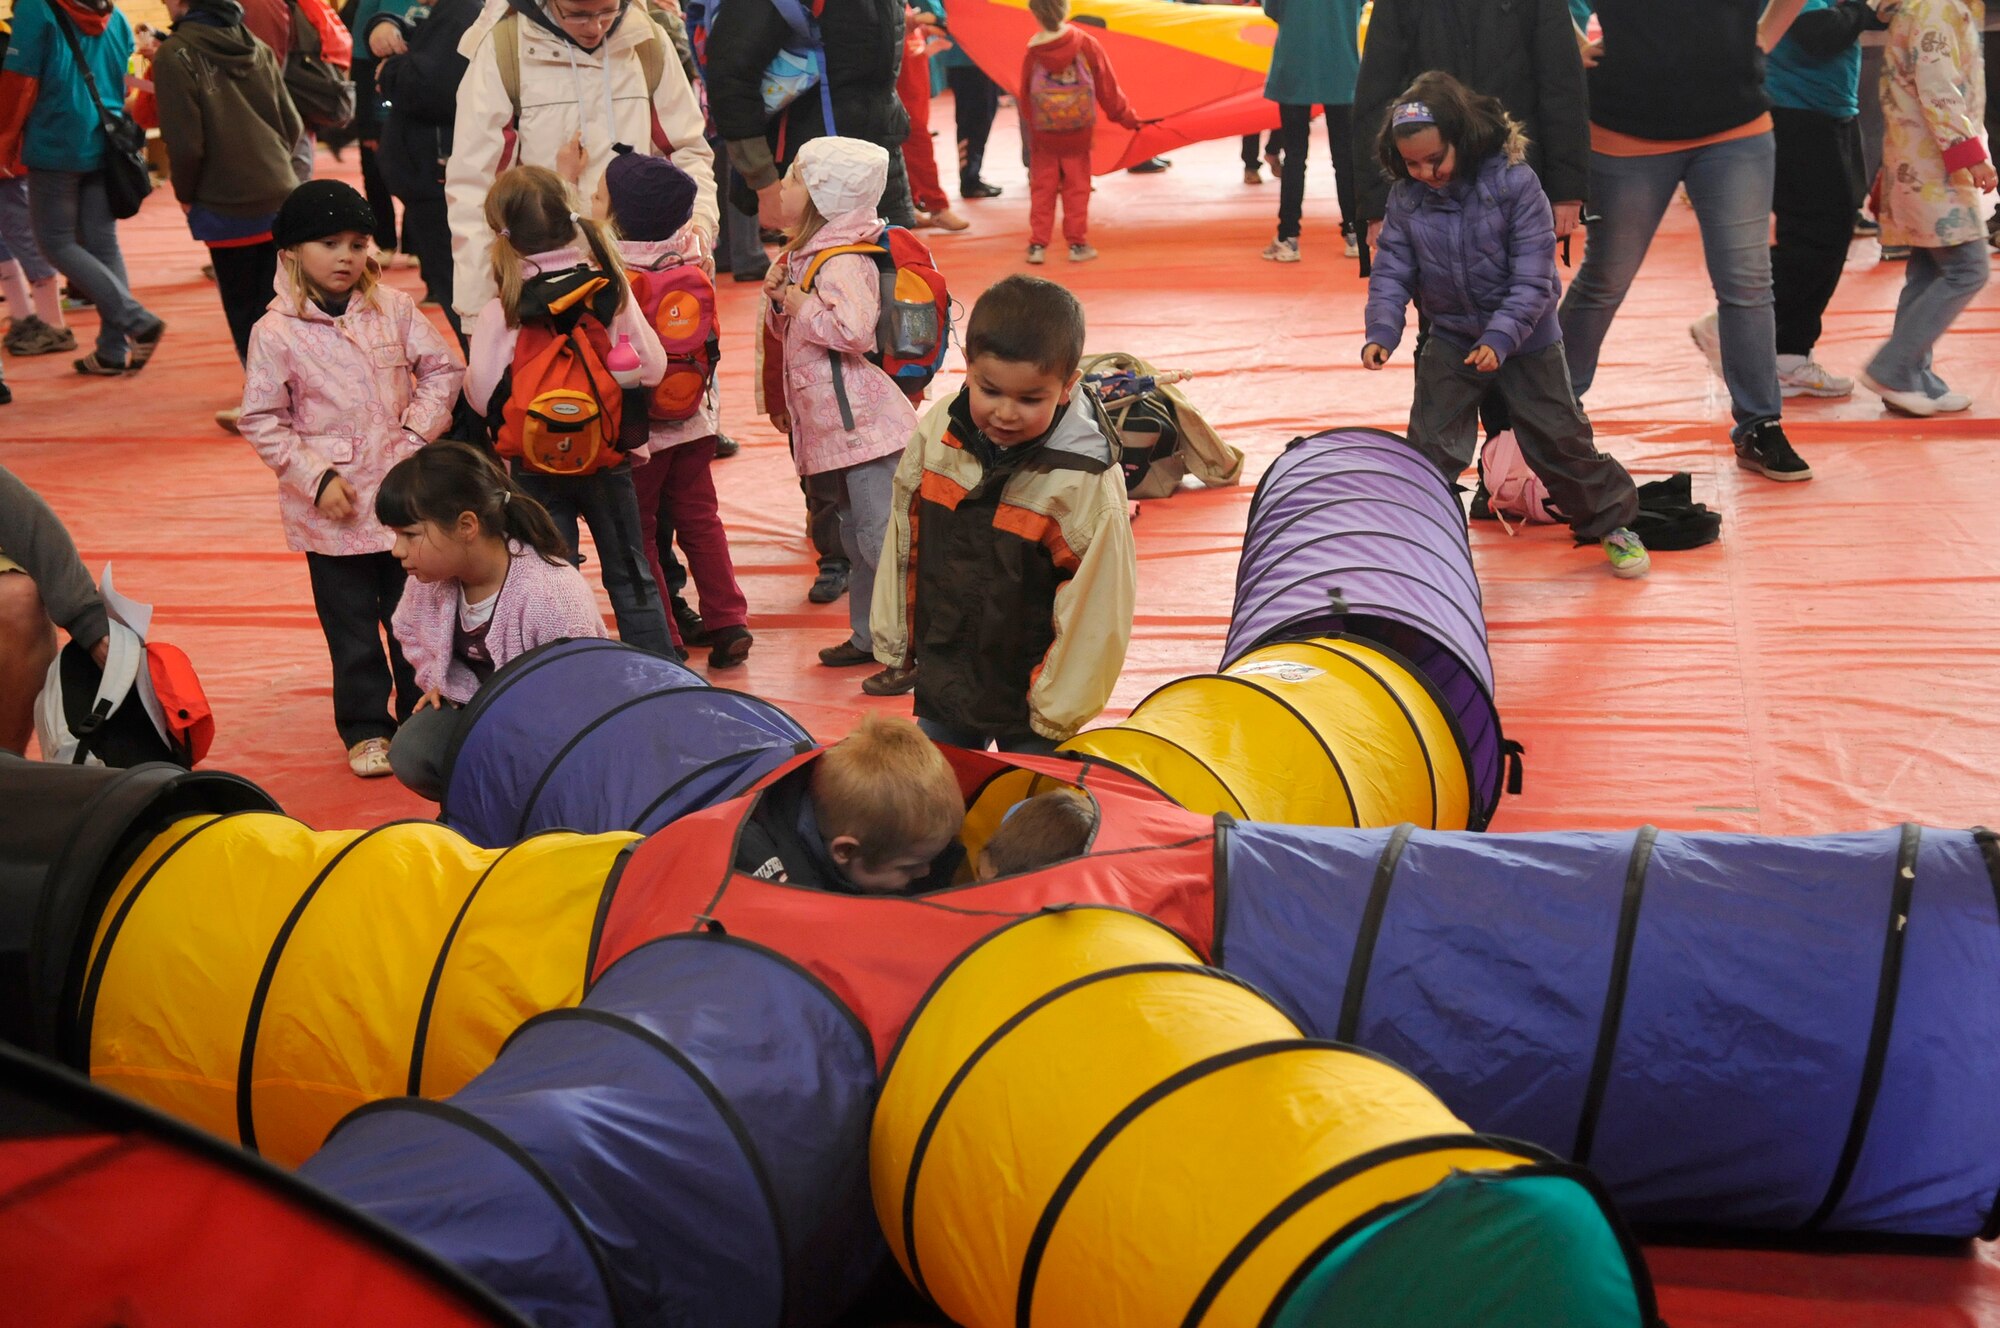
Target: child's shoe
x: 1803, y: 376
x: 687, y: 622
x: 1706, y: 332
x: 1350, y: 246
x: 1895, y: 253
x: 1865, y: 226
x: 1251, y: 175
x: 230, y: 420
x: 891, y: 681
x: 1950, y: 403
x: 1081, y: 253
x: 1038, y: 254
x: 1282, y: 251
x: 1763, y: 447
x: 1628, y: 555
x: 29, y: 335
x: 831, y: 583
x: 729, y: 647
x: 6, y: 395
x: 369, y: 758
x: 846, y: 655
x: 1909, y: 403
x: 1276, y: 161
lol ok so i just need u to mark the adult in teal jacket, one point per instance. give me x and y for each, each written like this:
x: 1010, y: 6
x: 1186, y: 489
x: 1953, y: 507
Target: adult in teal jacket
x: 1314, y: 63
x: 49, y: 128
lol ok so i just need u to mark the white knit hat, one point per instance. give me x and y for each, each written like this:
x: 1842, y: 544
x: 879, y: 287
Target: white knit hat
x: 842, y: 175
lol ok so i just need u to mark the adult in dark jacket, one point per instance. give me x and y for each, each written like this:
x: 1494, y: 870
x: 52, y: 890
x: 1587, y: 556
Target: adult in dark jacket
x: 419, y: 91
x: 1678, y: 98
x: 864, y: 57
x: 1522, y: 51
x: 229, y: 127
x: 43, y: 585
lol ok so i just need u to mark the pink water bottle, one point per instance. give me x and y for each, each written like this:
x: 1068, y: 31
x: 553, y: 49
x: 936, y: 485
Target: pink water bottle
x: 623, y: 362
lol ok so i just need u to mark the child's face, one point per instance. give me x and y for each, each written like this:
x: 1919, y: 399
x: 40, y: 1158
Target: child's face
x: 335, y: 263
x: 792, y: 199
x: 893, y: 877
x: 432, y: 553
x: 600, y: 202
x: 1429, y: 159
x: 1013, y: 401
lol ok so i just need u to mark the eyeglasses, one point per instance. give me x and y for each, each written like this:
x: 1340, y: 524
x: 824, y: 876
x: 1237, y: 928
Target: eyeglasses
x: 571, y: 19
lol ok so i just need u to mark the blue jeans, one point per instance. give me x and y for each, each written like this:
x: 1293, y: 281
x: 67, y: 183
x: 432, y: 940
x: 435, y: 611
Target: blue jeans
x: 17, y: 233
x: 1937, y: 286
x: 609, y: 505
x: 78, y: 234
x: 1730, y: 187
x: 955, y: 735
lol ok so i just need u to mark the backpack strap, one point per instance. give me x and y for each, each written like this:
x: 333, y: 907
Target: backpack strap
x: 652, y: 55
x: 507, y: 58
x: 876, y: 251
x: 121, y: 672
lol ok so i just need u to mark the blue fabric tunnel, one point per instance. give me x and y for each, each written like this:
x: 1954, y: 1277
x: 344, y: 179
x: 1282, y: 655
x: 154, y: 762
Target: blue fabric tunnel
x: 1352, y: 530
x: 687, y: 1147
x: 595, y: 736
x: 1789, y: 1034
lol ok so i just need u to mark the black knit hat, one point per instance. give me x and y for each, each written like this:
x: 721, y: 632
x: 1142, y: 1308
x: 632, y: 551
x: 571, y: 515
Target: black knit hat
x: 651, y: 198
x: 319, y: 208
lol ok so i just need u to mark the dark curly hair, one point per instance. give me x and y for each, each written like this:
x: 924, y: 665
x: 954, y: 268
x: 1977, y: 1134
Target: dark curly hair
x: 1472, y: 124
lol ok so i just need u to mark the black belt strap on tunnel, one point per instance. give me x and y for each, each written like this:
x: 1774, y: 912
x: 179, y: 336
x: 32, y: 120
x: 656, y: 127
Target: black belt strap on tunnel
x: 1371, y: 928
x: 1989, y: 851
x: 1886, y: 989
x: 1516, y: 757
x: 1614, y: 993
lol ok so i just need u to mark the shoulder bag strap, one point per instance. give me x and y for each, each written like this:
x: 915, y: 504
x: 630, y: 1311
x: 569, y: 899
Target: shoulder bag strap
x: 104, y: 119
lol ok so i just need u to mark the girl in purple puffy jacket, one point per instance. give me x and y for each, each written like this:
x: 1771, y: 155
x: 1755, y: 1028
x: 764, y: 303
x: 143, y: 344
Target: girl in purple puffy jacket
x: 1469, y: 235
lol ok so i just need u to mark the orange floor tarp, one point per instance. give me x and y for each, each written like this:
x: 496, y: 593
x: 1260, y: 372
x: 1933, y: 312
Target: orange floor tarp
x: 1827, y: 666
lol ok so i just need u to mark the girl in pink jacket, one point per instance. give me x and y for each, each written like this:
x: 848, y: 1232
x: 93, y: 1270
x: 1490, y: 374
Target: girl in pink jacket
x: 848, y: 420
x: 344, y: 378
x: 490, y: 580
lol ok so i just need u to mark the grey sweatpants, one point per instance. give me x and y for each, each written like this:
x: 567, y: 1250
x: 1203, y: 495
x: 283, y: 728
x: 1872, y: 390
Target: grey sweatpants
x: 418, y: 750
x: 863, y: 494
x: 1590, y: 487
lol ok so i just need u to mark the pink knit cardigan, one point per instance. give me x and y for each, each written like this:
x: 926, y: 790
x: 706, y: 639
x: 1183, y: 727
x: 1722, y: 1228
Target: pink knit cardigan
x: 538, y: 604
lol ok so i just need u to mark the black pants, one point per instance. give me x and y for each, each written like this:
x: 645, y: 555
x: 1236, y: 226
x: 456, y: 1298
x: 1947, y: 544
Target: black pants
x: 1255, y: 147
x: 355, y: 596
x: 380, y: 200
x: 1820, y: 181
x: 243, y: 278
x: 427, y: 234
x: 975, y: 101
x: 1296, y: 126
x: 1590, y: 487
x: 823, y: 518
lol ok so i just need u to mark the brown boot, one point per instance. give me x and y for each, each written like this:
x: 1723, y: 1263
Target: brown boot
x: 892, y: 681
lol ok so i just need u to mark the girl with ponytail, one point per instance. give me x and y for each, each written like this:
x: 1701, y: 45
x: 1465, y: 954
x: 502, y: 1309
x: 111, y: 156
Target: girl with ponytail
x: 490, y: 579
x: 558, y: 272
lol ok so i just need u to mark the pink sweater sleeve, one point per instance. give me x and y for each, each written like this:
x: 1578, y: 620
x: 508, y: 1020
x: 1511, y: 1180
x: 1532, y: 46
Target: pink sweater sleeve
x: 491, y: 355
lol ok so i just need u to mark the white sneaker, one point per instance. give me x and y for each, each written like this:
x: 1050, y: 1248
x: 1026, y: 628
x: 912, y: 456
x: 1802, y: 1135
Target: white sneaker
x: 1952, y: 402
x: 1909, y: 403
x: 1707, y: 334
x: 1802, y: 376
x: 369, y: 758
x: 1038, y: 253
x: 1282, y: 251
x: 1351, y: 245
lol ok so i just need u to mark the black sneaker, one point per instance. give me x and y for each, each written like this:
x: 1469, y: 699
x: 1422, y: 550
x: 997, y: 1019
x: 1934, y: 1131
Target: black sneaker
x: 830, y: 586
x: 1482, y: 503
x: 6, y: 395
x: 725, y: 446
x: 1763, y: 447
x: 693, y: 631
x: 1150, y: 166
x: 979, y: 189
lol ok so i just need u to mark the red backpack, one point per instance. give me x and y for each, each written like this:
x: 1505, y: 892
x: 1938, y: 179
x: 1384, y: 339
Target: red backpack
x: 915, y: 325
x: 678, y: 299
x: 563, y: 410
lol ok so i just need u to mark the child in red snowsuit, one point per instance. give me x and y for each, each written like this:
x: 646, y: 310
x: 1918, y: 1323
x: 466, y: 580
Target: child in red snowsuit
x: 1066, y: 81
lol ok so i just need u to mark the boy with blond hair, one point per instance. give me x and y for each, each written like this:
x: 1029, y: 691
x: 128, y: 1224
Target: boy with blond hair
x: 1008, y: 578
x: 877, y: 814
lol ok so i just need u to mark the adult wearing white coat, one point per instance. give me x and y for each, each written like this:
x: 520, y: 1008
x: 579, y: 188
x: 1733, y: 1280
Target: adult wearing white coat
x: 582, y: 76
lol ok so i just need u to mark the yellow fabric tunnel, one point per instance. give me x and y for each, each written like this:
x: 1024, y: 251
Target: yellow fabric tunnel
x: 260, y: 979
x: 1330, y: 731
x: 1085, y: 1126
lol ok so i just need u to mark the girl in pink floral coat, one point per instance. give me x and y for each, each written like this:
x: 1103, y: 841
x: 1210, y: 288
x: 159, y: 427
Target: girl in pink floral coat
x: 344, y: 378
x: 848, y: 420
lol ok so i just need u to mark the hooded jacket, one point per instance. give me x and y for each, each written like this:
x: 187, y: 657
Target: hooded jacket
x: 420, y: 91
x: 1058, y: 51
x: 1008, y: 575
x: 228, y: 124
x: 47, y: 119
x: 1521, y: 51
x: 863, y: 40
x: 353, y: 394
x: 1477, y: 255
x: 565, y: 89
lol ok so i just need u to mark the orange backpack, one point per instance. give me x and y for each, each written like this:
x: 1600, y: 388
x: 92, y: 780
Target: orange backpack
x: 563, y: 410
x: 678, y: 299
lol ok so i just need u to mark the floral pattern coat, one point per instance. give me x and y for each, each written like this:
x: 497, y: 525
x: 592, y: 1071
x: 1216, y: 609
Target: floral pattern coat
x: 1933, y: 104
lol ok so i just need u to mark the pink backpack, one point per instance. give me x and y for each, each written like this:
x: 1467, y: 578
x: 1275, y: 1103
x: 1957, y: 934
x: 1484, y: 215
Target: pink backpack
x: 1061, y: 101
x: 1512, y: 489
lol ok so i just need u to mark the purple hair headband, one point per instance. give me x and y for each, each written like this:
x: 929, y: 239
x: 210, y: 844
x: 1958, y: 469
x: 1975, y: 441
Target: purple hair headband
x: 1411, y: 112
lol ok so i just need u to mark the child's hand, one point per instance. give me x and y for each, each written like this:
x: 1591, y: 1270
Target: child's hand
x: 337, y: 499
x: 1484, y: 358
x: 793, y: 299
x: 774, y: 278
x: 1374, y: 356
x: 1979, y: 176
x: 781, y: 420
x: 431, y: 700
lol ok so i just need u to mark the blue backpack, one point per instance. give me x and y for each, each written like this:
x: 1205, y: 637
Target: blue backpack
x: 798, y: 67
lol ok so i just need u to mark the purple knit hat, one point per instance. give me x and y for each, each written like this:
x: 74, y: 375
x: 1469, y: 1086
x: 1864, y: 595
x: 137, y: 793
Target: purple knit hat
x: 651, y: 198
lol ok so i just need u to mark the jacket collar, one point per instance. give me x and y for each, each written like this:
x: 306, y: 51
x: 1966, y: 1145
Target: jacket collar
x: 856, y: 227
x: 1073, y: 441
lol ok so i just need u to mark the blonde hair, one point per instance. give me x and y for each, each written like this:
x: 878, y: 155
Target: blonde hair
x: 531, y: 210
x: 888, y: 786
x: 811, y: 222
x: 304, y: 290
x: 1050, y: 828
x: 1049, y: 13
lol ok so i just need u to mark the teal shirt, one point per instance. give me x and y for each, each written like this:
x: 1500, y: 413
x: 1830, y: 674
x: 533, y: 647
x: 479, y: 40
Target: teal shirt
x: 1799, y: 82
x: 1317, y: 56
x: 62, y: 132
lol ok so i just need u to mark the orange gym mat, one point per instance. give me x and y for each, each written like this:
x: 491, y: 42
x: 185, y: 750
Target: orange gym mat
x: 1824, y: 667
